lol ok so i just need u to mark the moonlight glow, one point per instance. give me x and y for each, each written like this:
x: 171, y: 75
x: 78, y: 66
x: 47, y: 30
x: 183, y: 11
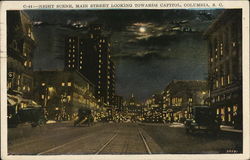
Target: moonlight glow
x: 142, y: 29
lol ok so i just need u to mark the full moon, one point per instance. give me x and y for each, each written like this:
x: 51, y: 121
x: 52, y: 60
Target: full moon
x: 142, y: 29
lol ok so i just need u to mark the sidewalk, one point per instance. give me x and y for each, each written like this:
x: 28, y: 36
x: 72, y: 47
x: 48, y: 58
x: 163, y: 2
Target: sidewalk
x: 230, y: 129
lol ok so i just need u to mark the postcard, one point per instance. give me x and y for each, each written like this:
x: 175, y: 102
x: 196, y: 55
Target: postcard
x: 124, y: 80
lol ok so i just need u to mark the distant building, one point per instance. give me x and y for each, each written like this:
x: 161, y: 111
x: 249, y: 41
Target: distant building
x: 62, y: 93
x: 225, y: 66
x: 153, y: 109
x: 118, y: 103
x: 180, y: 95
x: 133, y: 109
x: 20, y: 46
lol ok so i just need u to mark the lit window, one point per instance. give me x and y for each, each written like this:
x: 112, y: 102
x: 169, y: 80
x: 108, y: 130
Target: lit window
x: 99, y: 86
x: 91, y: 36
x: 69, y: 66
x: 69, y: 98
x: 100, y: 61
x: 80, y: 67
x: 99, y: 71
x: 80, y: 57
x: 218, y: 111
x: 222, y: 81
x: 81, y: 53
x: 73, y: 65
x: 74, y: 46
x: 73, y: 50
x: 43, y: 84
x: 69, y: 55
x: 69, y: 84
x: 73, y: 55
x: 69, y: 50
x: 99, y: 92
x: 73, y: 60
x: 217, y: 83
x: 30, y: 63
x: 234, y: 44
x: 100, y: 50
x: 228, y: 79
x: 99, y: 66
x: 80, y: 62
x: 63, y: 84
x: 109, y: 56
x: 25, y: 63
x: 69, y: 39
x: 69, y: 61
x: 211, y: 59
x: 109, y: 44
x: 100, y: 55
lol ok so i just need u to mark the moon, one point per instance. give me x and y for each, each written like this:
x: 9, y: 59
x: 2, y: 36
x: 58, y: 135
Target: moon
x: 142, y: 29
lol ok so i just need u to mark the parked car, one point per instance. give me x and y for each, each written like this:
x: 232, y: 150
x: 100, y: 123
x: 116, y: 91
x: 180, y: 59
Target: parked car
x: 22, y: 110
x: 203, y: 119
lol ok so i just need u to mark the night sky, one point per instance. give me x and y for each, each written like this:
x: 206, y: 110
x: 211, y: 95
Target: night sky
x: 147, y: 47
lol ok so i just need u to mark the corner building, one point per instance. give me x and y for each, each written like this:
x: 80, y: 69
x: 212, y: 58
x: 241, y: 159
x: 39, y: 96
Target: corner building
x: 224, y: 38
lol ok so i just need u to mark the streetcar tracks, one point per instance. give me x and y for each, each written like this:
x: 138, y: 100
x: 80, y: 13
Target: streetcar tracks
x: 60, y: 146
x: 107, y: 143
x: 145, y: 142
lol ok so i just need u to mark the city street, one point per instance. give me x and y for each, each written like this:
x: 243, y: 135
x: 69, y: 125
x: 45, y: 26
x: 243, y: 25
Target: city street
x: 117, y: 138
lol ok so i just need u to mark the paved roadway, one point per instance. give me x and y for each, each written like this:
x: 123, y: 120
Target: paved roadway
x: 116, y: 138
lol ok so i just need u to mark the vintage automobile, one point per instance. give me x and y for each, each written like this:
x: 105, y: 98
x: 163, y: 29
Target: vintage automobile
x: 84, y: 116
x: 203, y: 119
x: 22, y: 110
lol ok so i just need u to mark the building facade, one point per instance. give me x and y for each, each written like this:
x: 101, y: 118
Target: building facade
x: 20, y: 47
x: 180, y: 95
x: 90, y: 55
x: 62, y: 93
x: 224, y: 38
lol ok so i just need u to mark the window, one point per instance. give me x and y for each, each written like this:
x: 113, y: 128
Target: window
x: 228, y: 79
x: 80, y: 67
x: 222, y: 81
x: 69, y: 84
x: 63, y: 84
x: 25, y: 63
x: 217, y: 83
x: 43, y: 84
x: 69, y: 39
x: 42, y: 96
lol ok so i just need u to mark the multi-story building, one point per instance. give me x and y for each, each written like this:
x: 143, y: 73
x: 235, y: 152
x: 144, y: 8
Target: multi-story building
x: 180, y: 95
x: 118, y: 103
x: 62, y: 93
x: 20, y: 46
x: 133, y: 109
x: 225, y: 66
x: 90, y: 55
x: 153, y: 109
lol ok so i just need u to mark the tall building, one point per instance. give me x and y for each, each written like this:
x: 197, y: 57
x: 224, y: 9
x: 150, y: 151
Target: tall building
x: 224, y: 38
x: 90, y: 55
x: 20, y: 46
